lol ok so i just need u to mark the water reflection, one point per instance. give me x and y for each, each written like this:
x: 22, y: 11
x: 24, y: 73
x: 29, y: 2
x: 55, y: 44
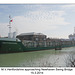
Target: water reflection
x: 47, y: 58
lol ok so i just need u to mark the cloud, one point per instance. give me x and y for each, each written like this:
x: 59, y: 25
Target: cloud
x: 3, y: 29
x: 4, y: 7
x: 0, y: 13
x: 68, y: 6
x: 39, y: 21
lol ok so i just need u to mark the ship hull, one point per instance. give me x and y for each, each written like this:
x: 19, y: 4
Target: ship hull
x: 10, y: 47
x: 16, y: 46
x: 13, y: 47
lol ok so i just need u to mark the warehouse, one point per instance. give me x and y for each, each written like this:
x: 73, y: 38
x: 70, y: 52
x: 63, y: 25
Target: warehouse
x: 32, y: 39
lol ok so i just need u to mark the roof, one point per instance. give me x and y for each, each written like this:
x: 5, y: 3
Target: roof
x: 31, y: 33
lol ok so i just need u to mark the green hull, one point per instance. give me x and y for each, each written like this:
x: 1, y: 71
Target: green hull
x: 17, y: 46
x: 13, y: 46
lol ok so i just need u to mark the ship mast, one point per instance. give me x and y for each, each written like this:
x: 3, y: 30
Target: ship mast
x: 9, y: 24
x: 10, y: 20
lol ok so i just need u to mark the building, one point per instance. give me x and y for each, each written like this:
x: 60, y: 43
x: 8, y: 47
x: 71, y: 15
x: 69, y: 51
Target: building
x: 53, y: 41
x: 32, y: 36
x: 37, y: 39
x: 72, y: 36
x: 32, y: 39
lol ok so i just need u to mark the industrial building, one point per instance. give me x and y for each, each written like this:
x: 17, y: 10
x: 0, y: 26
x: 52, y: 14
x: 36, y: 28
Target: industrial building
x: 32, y: 36
x: 72, y: 36
x: 32, y: 39
x: 37, y: 39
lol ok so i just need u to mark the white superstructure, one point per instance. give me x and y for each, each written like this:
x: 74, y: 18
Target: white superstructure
x: 72, y: 36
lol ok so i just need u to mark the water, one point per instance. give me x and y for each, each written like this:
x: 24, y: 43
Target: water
x: 46, y: 58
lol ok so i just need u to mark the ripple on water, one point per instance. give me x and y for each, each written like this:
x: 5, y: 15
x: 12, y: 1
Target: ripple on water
x: 46, y: 58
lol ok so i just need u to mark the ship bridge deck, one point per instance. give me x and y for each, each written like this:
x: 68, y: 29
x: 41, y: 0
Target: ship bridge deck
x: 9, y: 39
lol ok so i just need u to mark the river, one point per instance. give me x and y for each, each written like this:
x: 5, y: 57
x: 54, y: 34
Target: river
x: 45, y: 58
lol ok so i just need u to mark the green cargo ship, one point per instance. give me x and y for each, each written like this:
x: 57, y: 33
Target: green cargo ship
x: 13, y: 44
x: 9, y: 45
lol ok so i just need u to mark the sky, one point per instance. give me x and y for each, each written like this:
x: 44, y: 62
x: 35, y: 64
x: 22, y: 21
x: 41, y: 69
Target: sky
x: 53, y: 20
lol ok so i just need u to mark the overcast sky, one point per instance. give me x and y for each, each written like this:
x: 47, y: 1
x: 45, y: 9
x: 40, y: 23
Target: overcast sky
x: 54, y: 20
